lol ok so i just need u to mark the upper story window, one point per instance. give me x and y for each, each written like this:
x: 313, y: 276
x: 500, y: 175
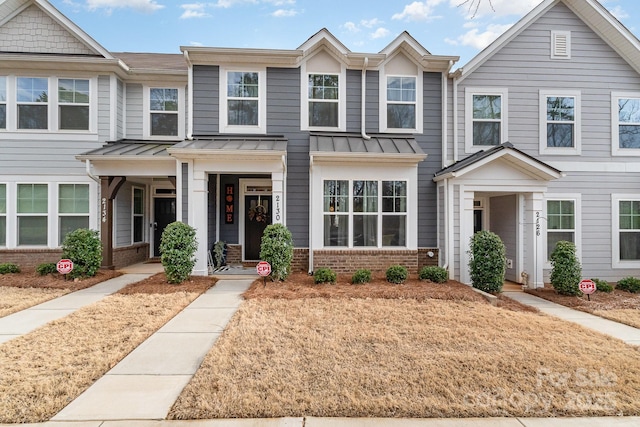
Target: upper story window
x: 33, y: 102
x: 163, y: 108
x: 324, y: 100
x: 3, y: 102
x: 243, y: 104
x: 559, y: 122
x: 485, y: 117
x: 401, y: 102
x: 73, y: 104
x: 625, y: 123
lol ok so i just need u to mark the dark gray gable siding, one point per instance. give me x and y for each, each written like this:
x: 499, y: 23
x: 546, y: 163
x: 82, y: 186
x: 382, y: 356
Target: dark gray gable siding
x: 354, y: 101
x: 372, y: 102
x: 354, y: 94
x: 206, y: 99
x: 431, y: 143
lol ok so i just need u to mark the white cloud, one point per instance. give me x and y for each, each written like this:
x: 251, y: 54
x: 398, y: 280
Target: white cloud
x: 230, y: 3
x: 196, y: 44
x: 380, y: 33
x: 480, y: 40
x: 494, y: 7
x: 419, y: 11
x: 284, y: 13
x: 194, y: 10
x: 351, y: 27
x: 146, y: 6
x: 370, y: 23
x: 619, y: 13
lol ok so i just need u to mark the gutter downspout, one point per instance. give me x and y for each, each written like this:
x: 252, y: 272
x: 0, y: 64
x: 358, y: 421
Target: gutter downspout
x: 363, y: 131
x: 446, y: 225
x: 310, y: 267
x: 190, y: 95
x: 455, y: 119
x: 87, y: 164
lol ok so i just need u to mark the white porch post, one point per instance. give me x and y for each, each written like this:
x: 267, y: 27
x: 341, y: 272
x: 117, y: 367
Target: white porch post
x: 198, y: 219
x: 466, y: 233
x: 533, y: 261
x: 277, y: 194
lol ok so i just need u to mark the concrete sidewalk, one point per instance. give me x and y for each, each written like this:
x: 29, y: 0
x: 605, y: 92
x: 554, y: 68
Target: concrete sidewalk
x: 146, y: 383
x: 625, y: 333
x: 27, y: 320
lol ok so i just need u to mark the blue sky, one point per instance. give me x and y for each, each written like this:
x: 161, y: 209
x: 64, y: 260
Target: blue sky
x: 444, y: 27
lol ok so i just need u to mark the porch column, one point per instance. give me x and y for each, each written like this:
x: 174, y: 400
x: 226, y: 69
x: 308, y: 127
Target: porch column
x: 534, y: 252
x: 277, y: 192
x: 199, y: 194
x: 109, y: 186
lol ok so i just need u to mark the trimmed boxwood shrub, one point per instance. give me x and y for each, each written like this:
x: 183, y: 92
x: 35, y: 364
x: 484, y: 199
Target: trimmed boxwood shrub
x: 629, y: 284
x: 276, y: 247
x: 83, y: 247
x: 566, y: 270
x: 324, y: 275
x: 361, y: 276
x: 397, y: 274
x: 178, y: 246
x: 9, y: 268
x: 47, y: 268
x: 433, y: 273
x: 487, y: 261
x: 602, y: 285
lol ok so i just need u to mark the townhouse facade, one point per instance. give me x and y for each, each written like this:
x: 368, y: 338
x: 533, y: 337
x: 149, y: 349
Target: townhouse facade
x: 370, y: 159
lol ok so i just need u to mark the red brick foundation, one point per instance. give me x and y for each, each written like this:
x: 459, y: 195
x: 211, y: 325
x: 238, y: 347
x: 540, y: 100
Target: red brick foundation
x: 29, y: 259
x: 128, y: 255
x: 348, y: 261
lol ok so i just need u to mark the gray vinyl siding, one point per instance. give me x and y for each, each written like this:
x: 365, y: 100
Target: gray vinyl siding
x: 123, y: 216
x: 372, y: 102
x: 120, y: 111
x: 104, y: 110
x: 457, y: 245
x: 206, y: 99
x: 354, y: 96
x: 441, y: 224
x: 503, y: 222
x: 524, y: 66
x: 135, y: 110
x: 33, y: 158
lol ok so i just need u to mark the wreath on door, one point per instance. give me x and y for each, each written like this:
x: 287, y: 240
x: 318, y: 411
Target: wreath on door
x: 258, y: 213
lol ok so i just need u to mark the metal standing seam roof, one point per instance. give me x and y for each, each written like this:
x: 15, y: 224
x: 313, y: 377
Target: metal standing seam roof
x: 234, y: 144
x: 356, y: 144
x: 130, y: 148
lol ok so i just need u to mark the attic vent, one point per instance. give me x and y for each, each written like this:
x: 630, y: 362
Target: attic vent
x: 560, y: 45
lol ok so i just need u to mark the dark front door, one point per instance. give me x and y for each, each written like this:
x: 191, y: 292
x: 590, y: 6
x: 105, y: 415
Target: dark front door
x: 165, y: 214
x: 256, y: 218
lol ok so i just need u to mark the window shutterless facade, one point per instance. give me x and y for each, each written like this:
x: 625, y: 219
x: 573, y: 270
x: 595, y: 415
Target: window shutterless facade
x: 3, y: 214
x: 138, y: 215
x: 485, y: 118
x: 625, y: 233
x: 32, y: 209
x: 324, y: 100
x: 560, y: 223
x: 163, y: 110
x: 73, y: 104
x: 560, y: 122
x: 73, y: 208
x: 401, y: 102
x: 32, y: 97
x: 243, y: 94
x: 625, y: 122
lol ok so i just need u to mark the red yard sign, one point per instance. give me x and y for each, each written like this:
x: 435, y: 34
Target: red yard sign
x: 263, y: 268
x: 587, y: 286
x: 64, y: 266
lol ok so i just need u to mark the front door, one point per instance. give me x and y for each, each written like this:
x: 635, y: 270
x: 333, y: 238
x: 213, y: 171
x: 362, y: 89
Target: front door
x: 165, y: 213
x: 256, y: 218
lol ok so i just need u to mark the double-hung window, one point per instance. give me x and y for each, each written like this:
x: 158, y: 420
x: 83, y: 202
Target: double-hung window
x: 559, y: 122
x: 625, y: 123
x: 33, y: 209
x: 561, y: 223
x: 3, y: 214
x: 359, y: 213
x: 138, y: 215
x: 243, y: 101
x: 401, y: 102
x: 163, y: 108
x: 73, y: 104
x: 485, y: 117
x: 324, y: 100
x: 73, y: 208
x: 628, y: 230
x: 3, y: 102
x: 33, y: 102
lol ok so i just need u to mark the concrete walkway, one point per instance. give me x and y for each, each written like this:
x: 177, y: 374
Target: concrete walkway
x: 27, y: 320
x: 146, y: 383
x: 628, y: 334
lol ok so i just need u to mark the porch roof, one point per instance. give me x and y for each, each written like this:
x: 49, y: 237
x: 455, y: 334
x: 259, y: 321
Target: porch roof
x: 523, y: 160
x: 236, y: 146
x: 127, y: 148
x: 349, y: 147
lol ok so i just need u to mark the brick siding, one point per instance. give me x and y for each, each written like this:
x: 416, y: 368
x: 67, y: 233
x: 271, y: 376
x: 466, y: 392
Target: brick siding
x: 128, y: 255
x: 348, y: 261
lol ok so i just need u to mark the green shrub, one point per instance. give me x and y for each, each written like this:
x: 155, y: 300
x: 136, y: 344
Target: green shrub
x: 487, y: 261
x: 566, y: 270
x: 629, y: 284
x: 361, y: 276
x: 219, y: 254
x: 9, y: 268
x: 47, y: 268
x: 83, y: 247
x: 397, y: 274
x: 178, y: 246
x: 434, y: 274
x: 602, y: 285
x: 324, y: 275
x: 276, y: 248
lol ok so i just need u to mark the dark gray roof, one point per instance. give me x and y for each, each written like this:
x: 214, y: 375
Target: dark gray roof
x: 235, y: 143
x: 356, y: 144
x: 480, y: 155
x: 130, y: 148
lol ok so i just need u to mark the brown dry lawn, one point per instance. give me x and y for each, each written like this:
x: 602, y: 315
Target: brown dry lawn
x: 43, y: 371
x: 297, y: 349
x: 619, y: 306
x: 23, y: 290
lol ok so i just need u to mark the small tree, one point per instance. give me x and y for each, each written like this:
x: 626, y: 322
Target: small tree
x: 487, y: 261
x: 566, y: 270
x: 276, y: 248
x: 177, y: 249
x: 83, y: 247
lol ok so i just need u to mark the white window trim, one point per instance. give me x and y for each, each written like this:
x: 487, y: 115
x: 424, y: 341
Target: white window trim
x: 59, y: 215
x: 577, y: 232
x: 616, y: 263
x: 468, y: 114
x: 261, y: 128
x: 5, y: 214
x: 52, y: 227
x: 384, y: 102
x: 615, y: 137
x: 146, y: 118
x: 342, y: 99
x: 577, y: 123
x: 134, y: 214
x: 555, y: 35
x: 5, y: 102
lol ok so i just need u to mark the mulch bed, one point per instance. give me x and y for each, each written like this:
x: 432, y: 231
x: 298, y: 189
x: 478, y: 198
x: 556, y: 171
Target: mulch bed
x: 31, y: 279
x: 599, y: 300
